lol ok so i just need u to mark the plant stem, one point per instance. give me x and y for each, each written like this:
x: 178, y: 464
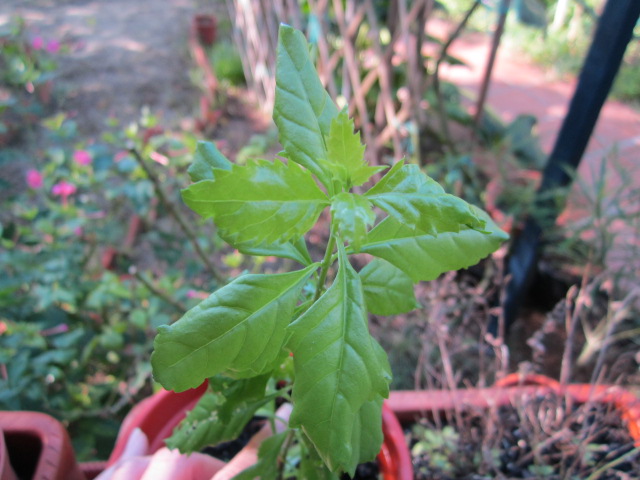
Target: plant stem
x: 326, y: 263
x: 595, y: 475
x: 158, y: 292
x: 285, y: 448
x: 178, y: 218
x: 495, y: 43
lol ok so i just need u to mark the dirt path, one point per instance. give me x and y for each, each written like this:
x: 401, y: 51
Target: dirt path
x: 123, y: 55
x: 519, y: 87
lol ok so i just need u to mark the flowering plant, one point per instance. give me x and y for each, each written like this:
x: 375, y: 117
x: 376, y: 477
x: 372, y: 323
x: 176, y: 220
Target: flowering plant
x: 25, y: 62
x: 78, y: 309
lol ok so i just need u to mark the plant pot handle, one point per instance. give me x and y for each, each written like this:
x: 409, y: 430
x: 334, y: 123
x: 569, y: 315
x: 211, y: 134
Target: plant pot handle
x: 6, y: 472
x: 39, y: 447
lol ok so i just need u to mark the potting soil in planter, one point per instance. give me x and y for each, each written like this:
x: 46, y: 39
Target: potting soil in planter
x: 227, y: 450
x: 543, y: 437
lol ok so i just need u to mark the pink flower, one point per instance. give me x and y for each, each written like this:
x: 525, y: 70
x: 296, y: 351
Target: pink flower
x: 60, y: 328
x: 158, y: 157
x: 197, y: 294
x: 34, y: 179
x: 53, y: 46
x: 37, y: 43
x: 82, y: 157
x: 64, y: 189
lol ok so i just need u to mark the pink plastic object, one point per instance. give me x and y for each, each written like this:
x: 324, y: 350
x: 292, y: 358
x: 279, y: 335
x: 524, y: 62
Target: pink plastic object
x: 156, y: 416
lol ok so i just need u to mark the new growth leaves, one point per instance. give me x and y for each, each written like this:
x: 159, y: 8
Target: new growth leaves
x: 258, y: 203
x: 245, y: 330
x: 345, y: 153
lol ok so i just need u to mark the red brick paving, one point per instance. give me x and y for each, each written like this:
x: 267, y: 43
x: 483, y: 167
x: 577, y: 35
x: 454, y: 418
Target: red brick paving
x: 521, y: 88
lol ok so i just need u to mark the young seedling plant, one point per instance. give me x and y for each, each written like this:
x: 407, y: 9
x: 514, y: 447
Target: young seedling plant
x: 309, y: 327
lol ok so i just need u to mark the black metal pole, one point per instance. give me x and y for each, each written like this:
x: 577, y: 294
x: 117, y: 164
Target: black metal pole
x: 614, y: 31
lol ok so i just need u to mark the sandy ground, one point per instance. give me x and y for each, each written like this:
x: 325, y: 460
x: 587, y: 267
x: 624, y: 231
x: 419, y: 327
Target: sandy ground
x: 122, y: 55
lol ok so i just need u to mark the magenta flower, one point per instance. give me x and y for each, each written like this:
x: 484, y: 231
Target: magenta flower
x: 82, y: 157
x: 64, y: 189
x: 53, y: 46
x: 34, y: 179
x: 37, y: 43
x: 196, y: 294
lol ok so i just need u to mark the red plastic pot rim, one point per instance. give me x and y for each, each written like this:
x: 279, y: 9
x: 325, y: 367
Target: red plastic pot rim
x: 156, y: 416
x: 408, y: 405
x: 159, y: 414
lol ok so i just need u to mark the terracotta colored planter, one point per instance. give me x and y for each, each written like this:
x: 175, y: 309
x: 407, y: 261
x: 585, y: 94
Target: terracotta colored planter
x: 158, y: 415
x: 197, y: 46
x: 6, y: 471
x: 206, y: 28
x: 37, y: 447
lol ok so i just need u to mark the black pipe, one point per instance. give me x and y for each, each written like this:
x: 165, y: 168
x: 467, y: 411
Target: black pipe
x: 613, y: 33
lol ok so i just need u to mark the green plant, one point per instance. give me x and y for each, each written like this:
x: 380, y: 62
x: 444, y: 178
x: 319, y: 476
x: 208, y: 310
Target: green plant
x: 441, y: 446
x: 76, y: 331
x: 25, y: 63
x: 226, y: 63
x: 289, y: 335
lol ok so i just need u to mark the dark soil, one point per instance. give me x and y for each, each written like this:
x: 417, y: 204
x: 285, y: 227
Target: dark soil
x: 227, y: 450
x: 545, y: 437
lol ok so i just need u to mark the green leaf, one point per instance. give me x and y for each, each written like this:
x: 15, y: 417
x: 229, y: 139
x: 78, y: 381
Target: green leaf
x: 303, y: 109
x: 239, y: 329
x: 369, y: 437
x: 353, y: 215
x: 206, y: 158
x: 259, y: 203
x: 412, y: 198
x: 221, y: 415
x: 311, y: 465
x: 295, y: 250
x: 269, y: 459
x: 346, y: 154
x: 387, y: 289
x: 338, y: 368
x: 425, y: 257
